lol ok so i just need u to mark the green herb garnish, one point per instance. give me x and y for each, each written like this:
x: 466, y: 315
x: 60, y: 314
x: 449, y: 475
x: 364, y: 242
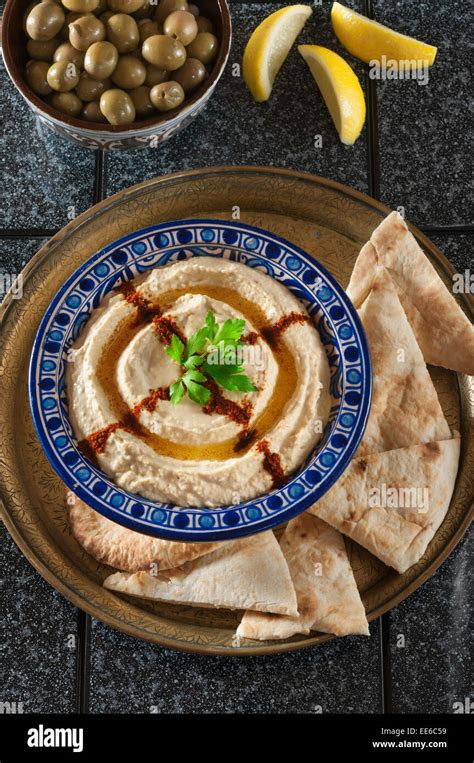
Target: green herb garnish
x: 209, y: 353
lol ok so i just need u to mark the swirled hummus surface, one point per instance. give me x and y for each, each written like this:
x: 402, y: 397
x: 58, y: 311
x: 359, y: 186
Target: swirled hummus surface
x: 236, y: 447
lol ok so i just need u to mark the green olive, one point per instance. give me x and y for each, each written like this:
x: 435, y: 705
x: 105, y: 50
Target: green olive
x: 80, y: 6
x: 117, y: 107
x: 85, y: 31
x: 155, y: 76
x: 101, y: 8
x: 36, y: 72
x: 122, y: 31
x: 63, y: 76
x: 204, y: 24
x: 204, y: 47
x: 129, y: 73
x: 42, y: 50
x: 147, y: 28
x: 146, y: 10
x: 101, y: 60
x: 90, y: 89
x: 67, y: 103
x: 193, y: 9
x: 190, y: 75
x: 182, y: 25
x: 167, y: 96
x: 67, y: 52
x: 164, y: 52
x: 92, y: 113
x: 165, y: 7
x: 70, y: 17
x: 29, y: 8
x: 141, y: 100
x: 125, y: 6
x: 44, y: 21
x: 105, y: 16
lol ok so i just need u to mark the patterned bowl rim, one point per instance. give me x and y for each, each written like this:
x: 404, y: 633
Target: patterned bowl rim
x: 277, y: 505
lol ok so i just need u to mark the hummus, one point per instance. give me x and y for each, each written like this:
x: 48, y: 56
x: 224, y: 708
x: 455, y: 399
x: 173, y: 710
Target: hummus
x: 239, y: 446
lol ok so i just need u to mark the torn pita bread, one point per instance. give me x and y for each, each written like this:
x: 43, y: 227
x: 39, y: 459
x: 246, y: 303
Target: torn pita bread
x: 326, y: 592
x: 393, y: 503
x: 124, y: 549
x: 249, y: 573
x: 443, y: 331
x: 405, y: 409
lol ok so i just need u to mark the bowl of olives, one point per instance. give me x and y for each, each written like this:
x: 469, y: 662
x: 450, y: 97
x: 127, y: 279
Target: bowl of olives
x: 116, y: 74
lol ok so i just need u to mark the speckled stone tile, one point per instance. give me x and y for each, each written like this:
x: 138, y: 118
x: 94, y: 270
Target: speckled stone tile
x: 430, y: 640
x: 38, y: 635
x: 130, y: 676
x: 235, y: 130
x: 14, y: 255
x: 424, y: 129
x: 49, y: 180
x: 458, y: 248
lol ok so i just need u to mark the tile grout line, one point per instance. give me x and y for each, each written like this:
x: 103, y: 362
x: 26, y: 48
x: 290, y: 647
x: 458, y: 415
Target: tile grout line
x: 83, y: 652
x: 386, y: 663
x: 463, y: 230
x: 373, y: 172
x: 82, y: 662
x: 27, y: 233
x: 373, y: 156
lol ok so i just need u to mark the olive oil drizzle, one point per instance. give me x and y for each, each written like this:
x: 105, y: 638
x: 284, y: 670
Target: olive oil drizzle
x: 232, y: 448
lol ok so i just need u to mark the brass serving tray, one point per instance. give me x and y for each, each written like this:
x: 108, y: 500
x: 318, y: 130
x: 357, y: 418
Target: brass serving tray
x: 326, y: 219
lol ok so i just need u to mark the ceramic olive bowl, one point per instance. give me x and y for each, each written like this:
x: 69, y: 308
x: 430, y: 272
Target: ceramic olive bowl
x: 139, y: 134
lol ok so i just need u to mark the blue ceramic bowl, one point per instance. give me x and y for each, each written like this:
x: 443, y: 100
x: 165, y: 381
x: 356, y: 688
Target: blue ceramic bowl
x: 333, y: 314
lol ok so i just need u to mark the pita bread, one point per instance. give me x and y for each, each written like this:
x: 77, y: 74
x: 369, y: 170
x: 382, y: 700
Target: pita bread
x: 359, y: 504
x: 405, y: 409
x: 124, y: 549
x: 443, y: 332
x: 327, y: 595
x: 249, y: 573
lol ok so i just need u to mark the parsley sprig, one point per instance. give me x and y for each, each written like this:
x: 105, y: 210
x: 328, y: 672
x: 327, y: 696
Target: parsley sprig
x: 201, y: 359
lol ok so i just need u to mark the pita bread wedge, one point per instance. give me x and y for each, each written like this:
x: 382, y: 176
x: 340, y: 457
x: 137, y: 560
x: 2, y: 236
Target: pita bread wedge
x: 327, y: 595
x: 392, y: 503
x: 125, y: 549
x: 405, y: 409
x: 249, y: 573
x: 443, y: 331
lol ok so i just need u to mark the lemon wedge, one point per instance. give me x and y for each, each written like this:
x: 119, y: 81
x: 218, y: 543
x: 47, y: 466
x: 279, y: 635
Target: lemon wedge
x: 269, y: 46
x: 340, y: 89
x: 368, y: 40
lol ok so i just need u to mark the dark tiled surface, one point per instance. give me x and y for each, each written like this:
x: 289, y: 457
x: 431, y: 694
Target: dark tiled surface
x: 132, y: 676
x: 235, y: 130
x: 424, y: 129
x: 429, y: 640
x: 38, y: 638
x: 458, y: 249
x: 49, y: 180
x: 14, y: 255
